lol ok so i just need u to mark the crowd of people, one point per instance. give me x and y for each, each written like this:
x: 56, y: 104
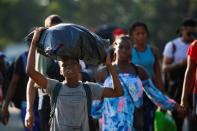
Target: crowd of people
x: 122, y: 94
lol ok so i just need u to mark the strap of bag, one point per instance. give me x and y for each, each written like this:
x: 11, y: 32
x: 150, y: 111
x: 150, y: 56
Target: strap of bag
x: 173, y: 49
x: 54, y: 100
x: 89, y: 97
x: 89, y: 105
x: 136, y: 68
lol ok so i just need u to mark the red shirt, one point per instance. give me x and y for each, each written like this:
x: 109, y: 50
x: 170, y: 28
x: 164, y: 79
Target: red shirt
x: 192, y: 53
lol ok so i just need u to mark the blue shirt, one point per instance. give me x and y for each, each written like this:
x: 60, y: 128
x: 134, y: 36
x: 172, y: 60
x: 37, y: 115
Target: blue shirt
x: 118, y: 113
x: 144, y: 58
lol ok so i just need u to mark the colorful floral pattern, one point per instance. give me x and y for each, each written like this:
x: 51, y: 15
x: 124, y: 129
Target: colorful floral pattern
x: 117, y: 113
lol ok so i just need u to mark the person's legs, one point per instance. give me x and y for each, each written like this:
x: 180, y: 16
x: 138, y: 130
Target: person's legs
x: 176, y: 95
x: 178, y: 120
x: 193, y: 118
x: 148, y: 114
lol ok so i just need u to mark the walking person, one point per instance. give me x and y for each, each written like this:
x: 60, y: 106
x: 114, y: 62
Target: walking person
x: 4, y: 82
x: 71, y: 106
x: 118, y: 113
x: 140, y: 35
x: 175, y: 62
x: 19, y: 84
x: 190, y: 84
x: 47, y: 67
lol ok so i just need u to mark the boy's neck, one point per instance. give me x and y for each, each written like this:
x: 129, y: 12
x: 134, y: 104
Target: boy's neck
x: 72, y: 83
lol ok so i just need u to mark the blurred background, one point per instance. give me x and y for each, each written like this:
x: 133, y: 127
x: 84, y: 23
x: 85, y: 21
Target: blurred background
x: 18, y: 17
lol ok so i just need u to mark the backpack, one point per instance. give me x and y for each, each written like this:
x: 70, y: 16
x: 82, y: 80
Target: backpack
x: 89, y: 103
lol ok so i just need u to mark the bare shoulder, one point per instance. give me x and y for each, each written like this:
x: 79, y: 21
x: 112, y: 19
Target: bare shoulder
x: 194, y: 42
x: 142, y: 73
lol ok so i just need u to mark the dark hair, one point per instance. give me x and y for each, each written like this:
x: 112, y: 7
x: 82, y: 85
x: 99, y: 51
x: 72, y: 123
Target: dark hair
x: 53, y: 19
x: 50, y: 20
x: 138, y: 24
x: 189, y: 22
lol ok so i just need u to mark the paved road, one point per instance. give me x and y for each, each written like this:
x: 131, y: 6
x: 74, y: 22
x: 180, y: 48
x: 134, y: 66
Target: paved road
x: 15, y: 123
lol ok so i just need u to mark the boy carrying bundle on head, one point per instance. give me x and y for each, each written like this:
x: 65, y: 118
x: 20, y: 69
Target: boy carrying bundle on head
x: 71, y: 110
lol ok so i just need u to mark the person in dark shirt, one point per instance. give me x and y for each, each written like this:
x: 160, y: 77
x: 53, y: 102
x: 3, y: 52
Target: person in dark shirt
x: 18, y: 86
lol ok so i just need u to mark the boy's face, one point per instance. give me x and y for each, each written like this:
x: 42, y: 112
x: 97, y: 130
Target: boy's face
x: 69, y: 68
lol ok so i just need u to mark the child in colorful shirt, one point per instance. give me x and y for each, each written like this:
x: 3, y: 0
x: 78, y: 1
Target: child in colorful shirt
x: 118, y: 113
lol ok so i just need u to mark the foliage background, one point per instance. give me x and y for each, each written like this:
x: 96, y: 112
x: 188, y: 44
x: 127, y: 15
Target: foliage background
x: 163, y: 17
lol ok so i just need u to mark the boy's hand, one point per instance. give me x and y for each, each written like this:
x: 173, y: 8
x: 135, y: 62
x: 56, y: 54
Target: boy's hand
x: 37, y: 33
x: 29, y: 119
x: 108, y: 61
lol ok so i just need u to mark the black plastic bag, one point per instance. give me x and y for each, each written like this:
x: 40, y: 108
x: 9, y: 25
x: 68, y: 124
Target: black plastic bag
x: 73, y: 41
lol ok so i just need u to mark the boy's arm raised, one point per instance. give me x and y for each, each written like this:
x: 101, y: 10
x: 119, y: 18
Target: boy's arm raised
x: 37, y: 77
x: 117, y: 90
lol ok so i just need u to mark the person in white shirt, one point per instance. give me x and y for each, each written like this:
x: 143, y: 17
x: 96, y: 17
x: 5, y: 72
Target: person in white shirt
x: 175, y: 61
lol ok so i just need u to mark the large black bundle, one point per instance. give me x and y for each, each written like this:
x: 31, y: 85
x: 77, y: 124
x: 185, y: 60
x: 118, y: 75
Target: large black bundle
x: 73, y: 41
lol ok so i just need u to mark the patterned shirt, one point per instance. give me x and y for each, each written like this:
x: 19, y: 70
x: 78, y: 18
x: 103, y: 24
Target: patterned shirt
x: 117, y: 114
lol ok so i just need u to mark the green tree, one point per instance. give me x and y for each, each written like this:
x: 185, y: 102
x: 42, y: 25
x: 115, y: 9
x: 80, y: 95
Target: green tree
x: 163, y: 18
x: 17, y: 17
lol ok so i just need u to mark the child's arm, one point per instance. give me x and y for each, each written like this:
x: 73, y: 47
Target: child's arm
x: 189, y: 80
x: 156, y: 95
x: 117, y: 88
x: 33, y: 74
x: 30, y: 98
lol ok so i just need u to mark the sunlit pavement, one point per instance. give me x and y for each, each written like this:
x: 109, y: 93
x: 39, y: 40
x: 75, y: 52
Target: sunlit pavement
x: 15, y: 122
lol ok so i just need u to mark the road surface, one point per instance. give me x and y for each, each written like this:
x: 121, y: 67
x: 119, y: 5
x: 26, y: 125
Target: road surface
x: 15, y: 122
